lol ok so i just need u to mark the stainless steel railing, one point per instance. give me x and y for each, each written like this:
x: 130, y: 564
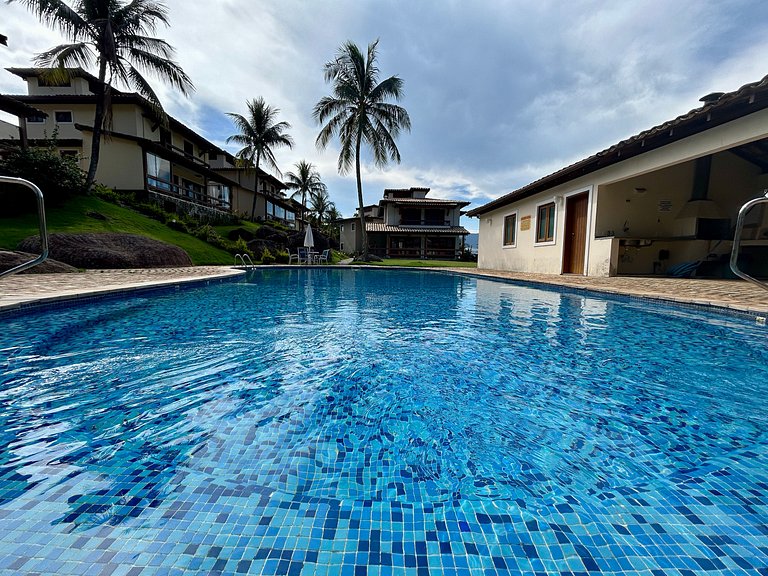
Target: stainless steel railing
x: 737, y: 241
x: 43, y: 228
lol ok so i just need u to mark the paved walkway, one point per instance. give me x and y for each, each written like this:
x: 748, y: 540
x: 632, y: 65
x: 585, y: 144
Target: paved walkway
x: 19, y: 289
x: 736, y: 294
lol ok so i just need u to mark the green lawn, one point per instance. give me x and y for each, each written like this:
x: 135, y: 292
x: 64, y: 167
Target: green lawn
x: 426, y: 263
x: 72, y: 217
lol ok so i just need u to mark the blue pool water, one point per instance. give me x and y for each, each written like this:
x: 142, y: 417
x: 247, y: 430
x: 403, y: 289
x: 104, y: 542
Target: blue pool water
x: 370, y: 422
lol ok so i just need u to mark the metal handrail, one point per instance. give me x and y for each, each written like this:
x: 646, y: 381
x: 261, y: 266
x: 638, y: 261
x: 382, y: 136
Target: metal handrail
x: 243, y: 258
x: 43, y: 228
x: 737, y: 241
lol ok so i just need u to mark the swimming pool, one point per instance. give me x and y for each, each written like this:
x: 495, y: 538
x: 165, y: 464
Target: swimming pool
x: 326, y: 421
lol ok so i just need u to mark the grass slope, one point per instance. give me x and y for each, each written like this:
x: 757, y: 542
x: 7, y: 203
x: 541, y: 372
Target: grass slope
x: 72, y: 217
x: 425, y: 263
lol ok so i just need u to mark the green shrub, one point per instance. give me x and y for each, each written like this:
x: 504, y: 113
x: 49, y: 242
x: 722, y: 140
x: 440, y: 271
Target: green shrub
x: 119, y: 198
x: 267, y: 257
x: 177, y: 225
x: 282, y: 257
x: 59, y: 178
x: 241, y: 245
x: 153, y: 211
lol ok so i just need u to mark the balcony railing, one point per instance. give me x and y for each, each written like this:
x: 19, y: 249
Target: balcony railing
x: 187, y: 155
x: 428, y: 253
x: 190, y: 195
x: 427, y: 222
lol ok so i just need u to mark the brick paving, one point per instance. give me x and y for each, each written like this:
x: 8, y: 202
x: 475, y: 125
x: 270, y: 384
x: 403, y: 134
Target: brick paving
x: 735, y: 294
x: 19, y: 289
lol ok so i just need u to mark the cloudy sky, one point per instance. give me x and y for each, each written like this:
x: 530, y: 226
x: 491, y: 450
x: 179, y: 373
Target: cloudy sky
x: 500, y: 93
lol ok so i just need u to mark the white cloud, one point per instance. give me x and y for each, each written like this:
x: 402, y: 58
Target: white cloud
x: 500, y: 92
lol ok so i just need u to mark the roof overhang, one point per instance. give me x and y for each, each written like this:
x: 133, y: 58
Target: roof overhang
x: 14, y: 106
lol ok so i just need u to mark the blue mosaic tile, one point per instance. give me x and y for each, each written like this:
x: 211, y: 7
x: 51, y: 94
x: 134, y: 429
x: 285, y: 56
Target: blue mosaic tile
x: 369, y: 422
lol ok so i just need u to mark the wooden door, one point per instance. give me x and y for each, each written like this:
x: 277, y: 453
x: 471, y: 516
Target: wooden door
x: 575, y: 244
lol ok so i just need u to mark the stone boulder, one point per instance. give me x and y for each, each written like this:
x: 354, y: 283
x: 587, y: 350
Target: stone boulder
x: 273, y: 235
x: 109, y: 250
x: 9, y: 260
x: 240, y: 233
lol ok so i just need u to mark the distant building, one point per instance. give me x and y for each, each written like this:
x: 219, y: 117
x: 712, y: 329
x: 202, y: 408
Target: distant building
x: 171, y: 164
x: 662, y: 201
x: 407, y: 224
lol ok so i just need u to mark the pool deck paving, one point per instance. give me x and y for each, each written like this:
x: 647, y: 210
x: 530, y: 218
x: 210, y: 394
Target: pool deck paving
x: 22, y: 290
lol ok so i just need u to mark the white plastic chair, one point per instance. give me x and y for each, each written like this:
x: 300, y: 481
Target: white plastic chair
x: 301, y: 256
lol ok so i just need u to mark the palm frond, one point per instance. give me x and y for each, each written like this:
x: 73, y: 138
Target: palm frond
x: 65, y: 56
x: 163, y: 68
x: 57, y: 14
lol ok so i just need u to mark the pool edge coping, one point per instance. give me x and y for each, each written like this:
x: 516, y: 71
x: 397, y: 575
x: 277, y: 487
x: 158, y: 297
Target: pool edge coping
x: 73, y: 295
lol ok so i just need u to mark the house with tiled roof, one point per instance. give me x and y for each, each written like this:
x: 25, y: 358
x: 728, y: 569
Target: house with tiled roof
x: 169, y: 163
x: 651, y: 204
x: 407, y: 224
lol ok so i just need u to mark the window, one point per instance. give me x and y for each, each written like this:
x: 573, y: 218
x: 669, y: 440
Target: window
x: 434, y: 217
x: 63, y: 116
x: 353, y: 226
x: 36, y: 118
x: 410, y: 216
x: 189, y: 149
x: 213, y: 156
x: 545, y: 223
x: 158, y: 172
x: 510, y: 225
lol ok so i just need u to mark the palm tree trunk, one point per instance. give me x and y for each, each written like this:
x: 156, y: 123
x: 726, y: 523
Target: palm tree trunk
x: 361, y: 207
x: 98, y: 121
x: 256, y: 191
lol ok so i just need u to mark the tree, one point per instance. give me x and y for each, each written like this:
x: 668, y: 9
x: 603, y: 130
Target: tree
x: 114, y: 36
x: 305, y: 181
x: 259, y: 134
x: 333, y: 222
x: 358, y: 112
x: 319, y: 206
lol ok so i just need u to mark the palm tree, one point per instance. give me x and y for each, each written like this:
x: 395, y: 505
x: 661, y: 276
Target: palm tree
x: 259, y: 133
x: 305, y: 181
x: 319, y: 205
x: 358, y: 112
x: 114, y: 36
x: 333, y: 222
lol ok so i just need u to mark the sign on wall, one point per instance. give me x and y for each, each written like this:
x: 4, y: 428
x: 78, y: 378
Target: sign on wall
x: 665, y: 205
x: 525, y: 223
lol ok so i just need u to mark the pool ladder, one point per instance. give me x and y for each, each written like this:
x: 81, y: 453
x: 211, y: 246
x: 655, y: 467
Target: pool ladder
x: 245, y: 262
x: 43, y: 228
x: 737, y: 240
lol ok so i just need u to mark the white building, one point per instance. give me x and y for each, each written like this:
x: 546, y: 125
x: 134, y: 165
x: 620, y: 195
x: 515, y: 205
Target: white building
x: 664, y: 197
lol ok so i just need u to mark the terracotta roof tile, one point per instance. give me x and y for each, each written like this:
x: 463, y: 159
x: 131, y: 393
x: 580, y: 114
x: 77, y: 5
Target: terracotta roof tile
x: 381, y: 227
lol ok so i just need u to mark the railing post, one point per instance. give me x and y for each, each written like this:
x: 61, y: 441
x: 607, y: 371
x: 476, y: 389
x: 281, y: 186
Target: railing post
x: 43, y: 227
x: 737, y: 241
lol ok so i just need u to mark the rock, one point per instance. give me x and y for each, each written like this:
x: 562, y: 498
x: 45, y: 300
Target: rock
x: 240, y: 233
x: 10, y: 259
x: 274, y: 235
x: 258, y: 247
x: 109, y: 250
x: 371, y: 258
